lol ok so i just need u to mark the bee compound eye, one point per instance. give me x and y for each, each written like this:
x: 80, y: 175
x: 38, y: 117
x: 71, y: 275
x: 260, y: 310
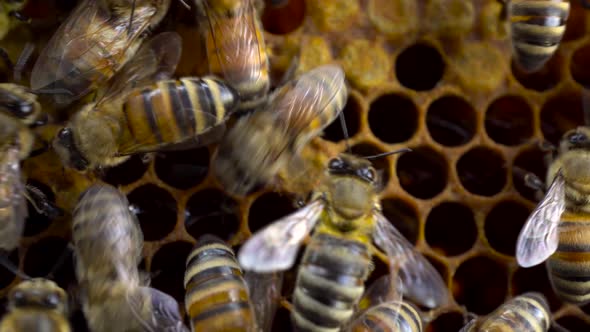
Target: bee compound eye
x: 577, y: 138
x: 51, y: 301
x: 336, y: 163
x: 18, y: 298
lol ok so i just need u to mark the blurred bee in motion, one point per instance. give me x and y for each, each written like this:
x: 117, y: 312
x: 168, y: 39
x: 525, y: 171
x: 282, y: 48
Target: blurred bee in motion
x: 558, y: 229
x: 537, y: 28
x: 108, y: 246
x: 259, y: 146
x: 235, y: 48
x: 133, y: 117
x: 528, y: 312
x: 36, y: 305
x: 217, y: 296
x: 10, y: 15
x: 96, y: 40
x: 344, y: 214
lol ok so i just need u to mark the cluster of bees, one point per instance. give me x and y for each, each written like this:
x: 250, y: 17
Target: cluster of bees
x: 104, y: 48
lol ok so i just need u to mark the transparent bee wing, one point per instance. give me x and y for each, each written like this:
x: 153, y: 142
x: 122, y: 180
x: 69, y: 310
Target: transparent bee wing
x: 538, y: 239
x: 13, y: 205
x: 265, y: 293
x: 385, y: 289
x: 156, y: 311
x: 421, y: 282
x: 274, y: 248
x: 469, y: 325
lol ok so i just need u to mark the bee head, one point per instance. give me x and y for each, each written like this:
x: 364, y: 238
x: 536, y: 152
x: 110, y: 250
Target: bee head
x: 65, y: 146
x: 346, y: 165
x: 16, y: 101
x: 577, y: 139
x: 40, y: 293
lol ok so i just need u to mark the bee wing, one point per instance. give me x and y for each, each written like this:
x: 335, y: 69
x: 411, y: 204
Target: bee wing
x: 265, y: 292
x: 274, y: 248
x: 421, y: 282
x: 538, y: 239
x: 13, y: 205
x: 162, y: 311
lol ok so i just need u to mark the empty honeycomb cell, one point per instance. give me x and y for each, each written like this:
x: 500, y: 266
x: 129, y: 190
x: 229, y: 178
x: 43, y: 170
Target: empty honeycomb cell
x: 403, y: 216
x: 480, y: 283
x: 509, y: 120
x: 155, y: 209
x: 128, y: 172
x: 380, y: 164
x: 419, y: 67
x: 579, y: 65
x: 573, y: 323
x: 51, y: 258
x: 479, y: 66
x: 503, y: 224
x: 7, y: 276
x: 283, y: 18
x: 37, y: 222
x: 395, y: 19
x: 576, y: 22
x: 449, y: 18
x: 542, y: 80
x: 333, y: 15
x: 423, y: 172
x: 268, y: 208
x: 393, y: 118
x: 441, y: 228
x: 535, y: 279
x: 448, y: 321
x: 168, y: 265
x: 183, y: 169
x: 531, y: 160
x: 482, y: 171
x: 451, y: 121
x: 365, y: 71
x: 282, y: 320
x: 334, y: 132
x: 211, y: 212
x: 560, y: 114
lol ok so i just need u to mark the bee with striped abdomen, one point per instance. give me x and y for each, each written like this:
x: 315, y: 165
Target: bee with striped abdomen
x: 528, y: 312
x: 558, y: 229
x: 260, y: 146
x: 96, y: 40
x: 162, y: 115
x: 235, y: 48
x: 537, y: 27
x: 108, y: 246
x: 36, y: 305
x: 345, y: 215
x: 397, y: 316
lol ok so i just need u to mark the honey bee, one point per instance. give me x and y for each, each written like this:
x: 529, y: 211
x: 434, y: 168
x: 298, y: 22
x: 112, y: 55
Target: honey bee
x: 259, y: 146
x: 344, y: 214
x: 558, y: 227
x: 235, y: 48
x: 108, y: 246
x: 10, y: 15
x: 528, y: 312
x: 129, y: 120
x: 389, y: 317
x: 36, y: 305
x: 537, y: 28
x: 95, y: 41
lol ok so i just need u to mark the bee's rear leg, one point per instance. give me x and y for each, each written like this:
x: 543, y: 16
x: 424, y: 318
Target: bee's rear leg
x: 40, y: 202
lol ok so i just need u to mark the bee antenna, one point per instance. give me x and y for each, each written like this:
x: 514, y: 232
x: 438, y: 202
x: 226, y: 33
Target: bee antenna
x: 60, y: 260
x: 11, y: 267
x: 344, y: 130
x: 22, y: 60
x: 385, y: 154
x: 131, y: 18
x: 186, y: 5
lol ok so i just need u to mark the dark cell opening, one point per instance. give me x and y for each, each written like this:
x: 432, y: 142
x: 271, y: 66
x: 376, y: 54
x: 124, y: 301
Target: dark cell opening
x: 535, y: 279
x: 481, y: 284
x: 282, y: 320
x: 482, y: 171
x: 529, y: 161
x: 268, y: 208
x: 393, y: 118
x: 283, y: 17
x: 573, y: 323
x: 560, y: 114
x: 7, y: 276
x: 156, y: 210
x: 503, y: 224
x: 211, y: 212
x: 351, y: 113
x: 51, y: 258
x: 183, y: 169
x: 380, y: 164
x: 36, y: 223
x: 509, y: 120
x: 579, y: 65
x: 451, y: 121
x: 576, y: 22
x: 423, y: 172
x: 450, y: 228
x: 419, y: 67
x: 543, y: 79
x: 166, y: 263
x: 448, y: 321
x: 128, y: 172
x: 403, y: 216
x: 380, y: 269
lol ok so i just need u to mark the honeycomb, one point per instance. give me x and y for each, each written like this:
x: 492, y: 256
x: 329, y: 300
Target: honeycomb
x: 432, y: 75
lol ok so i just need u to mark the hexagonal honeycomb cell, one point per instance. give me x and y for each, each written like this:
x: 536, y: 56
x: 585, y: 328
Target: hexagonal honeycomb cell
x: 435, y: 76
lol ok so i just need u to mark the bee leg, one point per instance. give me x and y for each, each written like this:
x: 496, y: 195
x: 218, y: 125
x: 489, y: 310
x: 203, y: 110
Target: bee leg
x: 22, y: 60
x: 10, y: 266
x: 291, y: 71
x: 40, y: 202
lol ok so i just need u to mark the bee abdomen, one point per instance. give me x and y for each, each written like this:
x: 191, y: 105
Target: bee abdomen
x: 537, y: 29
x: 389, y: 317
x: 173, y: 111
x: 330, y: 282
x: 216, y: 294
x: 525, y: 313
